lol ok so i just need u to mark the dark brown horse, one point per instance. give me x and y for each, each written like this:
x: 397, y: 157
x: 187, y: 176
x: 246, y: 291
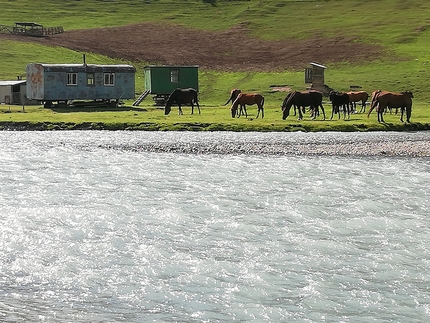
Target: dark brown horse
x: 382, y: 100
x: 339, y: 101
x: 244, y: 99
x: 180, y: 97
x: 312, y: 99
x: 357, y: 97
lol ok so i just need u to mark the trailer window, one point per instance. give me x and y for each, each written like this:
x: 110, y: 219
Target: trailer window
x: 90, y: 79
x: 72, y: 79
x: 174, y: 76
x: 109, y: 79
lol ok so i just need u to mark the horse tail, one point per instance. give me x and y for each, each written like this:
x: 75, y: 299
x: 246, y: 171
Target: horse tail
x: 196, y: 97
x: 374, y: 103
x: 233, y: 95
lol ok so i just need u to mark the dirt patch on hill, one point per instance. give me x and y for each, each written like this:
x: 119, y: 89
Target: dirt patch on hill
x: 230, y: 50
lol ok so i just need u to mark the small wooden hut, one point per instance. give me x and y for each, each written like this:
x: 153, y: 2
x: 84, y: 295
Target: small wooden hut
x: 315, y: 74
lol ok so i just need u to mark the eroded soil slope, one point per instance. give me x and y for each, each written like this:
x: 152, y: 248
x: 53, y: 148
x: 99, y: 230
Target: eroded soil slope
x: 230, y: 50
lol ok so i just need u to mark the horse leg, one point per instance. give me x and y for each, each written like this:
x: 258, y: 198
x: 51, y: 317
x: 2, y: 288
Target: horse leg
x: 192, y: 107
x: 363, y: 106
x: 244, y: 109
x: 198, y: 106
x: 380, y: 112
x: 180, y: 110
x: 260, y: 108
x: 408, y: 113
x: 300, y: 113
x: 322, y: 109
x: 240, y: 111
x: 314, y: 111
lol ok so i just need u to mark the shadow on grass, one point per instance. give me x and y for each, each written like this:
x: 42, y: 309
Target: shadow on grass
x: 96, y: 109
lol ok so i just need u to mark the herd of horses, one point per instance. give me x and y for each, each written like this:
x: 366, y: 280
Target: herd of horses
x: 341, y: 102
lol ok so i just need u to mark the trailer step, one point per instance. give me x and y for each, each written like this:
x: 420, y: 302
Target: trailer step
x: 140, y: 98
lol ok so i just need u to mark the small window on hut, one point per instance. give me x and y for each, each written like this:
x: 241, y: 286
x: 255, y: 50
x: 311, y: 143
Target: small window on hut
x: 90, y: 79
x: 109, y: 79
x: 72, y: 79
x: 174, y: 76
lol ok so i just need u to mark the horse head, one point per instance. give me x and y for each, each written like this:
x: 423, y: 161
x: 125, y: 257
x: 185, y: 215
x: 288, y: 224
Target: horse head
x: 409, y: 93
x: 233, y: 109
x: 167, y: 108
x: 169, y: 101
x: 286, y: 105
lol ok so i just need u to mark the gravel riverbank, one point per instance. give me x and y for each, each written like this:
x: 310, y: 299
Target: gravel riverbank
x: 323, y: 144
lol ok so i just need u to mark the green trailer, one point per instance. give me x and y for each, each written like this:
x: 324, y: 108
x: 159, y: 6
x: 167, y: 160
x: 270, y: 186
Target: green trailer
x: 161, y: 80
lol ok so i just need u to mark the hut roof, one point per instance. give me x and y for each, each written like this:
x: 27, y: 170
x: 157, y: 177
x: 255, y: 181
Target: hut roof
x: 318, y: 65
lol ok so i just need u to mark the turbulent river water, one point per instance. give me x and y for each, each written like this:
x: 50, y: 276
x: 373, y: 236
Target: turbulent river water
x: 186, y: 227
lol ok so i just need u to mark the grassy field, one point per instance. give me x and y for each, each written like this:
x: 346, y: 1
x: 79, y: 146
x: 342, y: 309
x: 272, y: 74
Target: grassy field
x: 402, y: 27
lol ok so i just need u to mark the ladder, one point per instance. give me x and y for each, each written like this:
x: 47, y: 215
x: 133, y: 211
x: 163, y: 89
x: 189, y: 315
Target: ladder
x: 140, y: 98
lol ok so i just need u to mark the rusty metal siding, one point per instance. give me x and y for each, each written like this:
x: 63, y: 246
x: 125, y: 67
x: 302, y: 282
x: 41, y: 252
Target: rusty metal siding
x: 48, y: 82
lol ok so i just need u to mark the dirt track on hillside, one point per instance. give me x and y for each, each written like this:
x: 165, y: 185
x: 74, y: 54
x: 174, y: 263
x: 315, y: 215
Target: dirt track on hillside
x: 230, y: 50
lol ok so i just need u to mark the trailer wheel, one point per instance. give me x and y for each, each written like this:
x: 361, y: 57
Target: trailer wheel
x: 48, y: 104
x: 113, y: 104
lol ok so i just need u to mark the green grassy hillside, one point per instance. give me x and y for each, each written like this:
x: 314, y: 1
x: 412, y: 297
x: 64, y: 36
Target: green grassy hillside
x: 402, y: 27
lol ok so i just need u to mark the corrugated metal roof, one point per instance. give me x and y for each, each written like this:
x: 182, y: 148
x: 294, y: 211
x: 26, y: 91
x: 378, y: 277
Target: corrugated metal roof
x: 87, y: 67
x: 8, y: 83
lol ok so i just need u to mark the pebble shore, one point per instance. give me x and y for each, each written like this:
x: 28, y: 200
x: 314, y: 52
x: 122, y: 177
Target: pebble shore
x: 406, y: 148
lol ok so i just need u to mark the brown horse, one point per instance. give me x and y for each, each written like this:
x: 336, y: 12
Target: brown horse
x: 312, y: 99
x: 357, y: 97
x: 382, y: 100
x: 180, y: 97
x: 233, y: 95
x: 244, y: 99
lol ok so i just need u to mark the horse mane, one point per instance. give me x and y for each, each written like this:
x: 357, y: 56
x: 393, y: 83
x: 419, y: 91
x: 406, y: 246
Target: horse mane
x: 288, y: 99
x: 172, y: 96
x: 235, y: 102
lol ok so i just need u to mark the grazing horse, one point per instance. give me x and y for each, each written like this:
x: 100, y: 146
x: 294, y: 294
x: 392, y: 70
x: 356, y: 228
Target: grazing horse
x: 338, y: 100
x: 233, y: 95
x: 244, y: 99
x: 356, y: 97
x: 382, y: 100
x: 312, y: 99
x: 295, y: 106
x: 182, y: 96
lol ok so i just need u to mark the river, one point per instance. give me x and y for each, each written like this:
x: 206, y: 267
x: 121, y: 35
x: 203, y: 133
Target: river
x: 100, y: 226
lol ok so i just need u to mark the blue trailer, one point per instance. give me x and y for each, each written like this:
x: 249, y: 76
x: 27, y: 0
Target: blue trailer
x: 69, y: 84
